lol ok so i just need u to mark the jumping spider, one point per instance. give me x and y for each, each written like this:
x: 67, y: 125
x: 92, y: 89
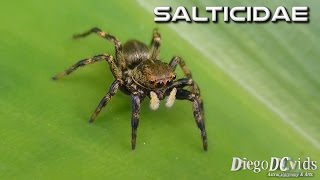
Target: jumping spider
x: 139, y: 72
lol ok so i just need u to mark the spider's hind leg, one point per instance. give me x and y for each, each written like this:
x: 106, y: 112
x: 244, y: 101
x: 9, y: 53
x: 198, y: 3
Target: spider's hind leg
x: 155, y: 44
x: 101, y: 34
x: 109, y: 37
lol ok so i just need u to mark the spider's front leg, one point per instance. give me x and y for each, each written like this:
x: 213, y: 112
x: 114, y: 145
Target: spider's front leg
x: 179, y: 61
x: 198, y: 112
x: 136, y: 101
x: 197, y: 104
x: 155, y: 44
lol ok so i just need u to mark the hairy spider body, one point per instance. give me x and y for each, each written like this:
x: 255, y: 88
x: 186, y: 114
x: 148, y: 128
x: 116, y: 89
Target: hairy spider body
x: 140, y: 73
x: 135, y: 52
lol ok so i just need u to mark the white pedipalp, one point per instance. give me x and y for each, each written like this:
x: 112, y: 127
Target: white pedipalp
x: 171, y: 98
x: 154, y: 101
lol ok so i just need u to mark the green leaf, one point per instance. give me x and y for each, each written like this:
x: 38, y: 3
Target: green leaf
x: 259, y: 83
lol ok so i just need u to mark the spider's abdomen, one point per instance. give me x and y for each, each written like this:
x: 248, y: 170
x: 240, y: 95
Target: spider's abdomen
x: 135, y: 52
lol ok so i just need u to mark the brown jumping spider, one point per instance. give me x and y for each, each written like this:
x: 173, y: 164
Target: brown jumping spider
x: 139, y: 72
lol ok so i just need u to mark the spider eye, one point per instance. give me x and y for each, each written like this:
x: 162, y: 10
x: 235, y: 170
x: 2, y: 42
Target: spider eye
x: 151, y: 81
x: 174, y: 77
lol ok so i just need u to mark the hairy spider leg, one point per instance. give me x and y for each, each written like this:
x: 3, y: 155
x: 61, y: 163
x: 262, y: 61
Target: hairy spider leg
x: 135, y: 118
x: 181, y: 83
x: 112, y: 91
x: 94, y: 59
x: 198, y: 112
x: 155, y: 44
x: 178, y: 60
x: 119, y: 54
x: 197, y: 104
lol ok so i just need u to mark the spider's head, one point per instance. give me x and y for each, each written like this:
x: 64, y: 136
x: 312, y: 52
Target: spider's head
x: 154, y: 74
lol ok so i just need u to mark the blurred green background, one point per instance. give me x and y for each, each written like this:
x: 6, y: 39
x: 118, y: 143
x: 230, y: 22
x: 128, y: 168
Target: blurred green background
x: 260, y: 84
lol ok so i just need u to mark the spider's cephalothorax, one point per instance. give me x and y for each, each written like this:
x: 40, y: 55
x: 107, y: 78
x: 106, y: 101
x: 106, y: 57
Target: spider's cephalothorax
x: 140, y: 73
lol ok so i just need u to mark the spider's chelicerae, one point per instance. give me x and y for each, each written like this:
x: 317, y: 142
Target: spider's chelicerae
x: 140, y: 73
